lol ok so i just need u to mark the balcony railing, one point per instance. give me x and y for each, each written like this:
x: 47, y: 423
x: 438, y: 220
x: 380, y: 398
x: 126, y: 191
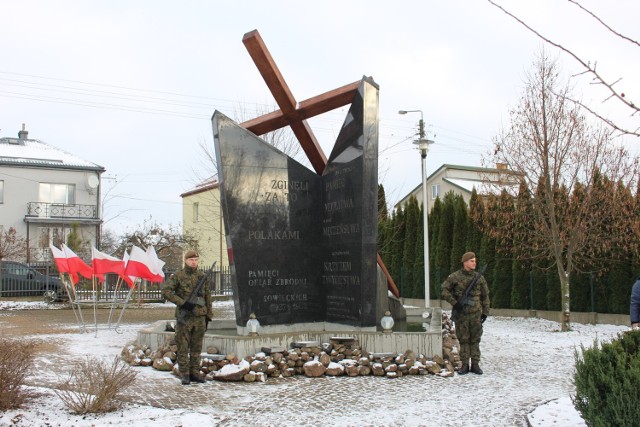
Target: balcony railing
x: 59, y: 210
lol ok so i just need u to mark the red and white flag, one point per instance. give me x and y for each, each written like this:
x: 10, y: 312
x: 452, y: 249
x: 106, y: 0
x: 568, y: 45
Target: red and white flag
x: 103, y: 263
x: 61, y: 261
x: 76, y: 265
x: 157, y: 263
x: 141, y: 265
x: 129, y: 279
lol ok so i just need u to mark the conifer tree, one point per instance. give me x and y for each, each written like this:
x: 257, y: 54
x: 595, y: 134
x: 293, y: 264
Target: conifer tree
x: 408, y: 256
x: 522, y: 264
x: 538, y: 282
x: 74, y: 240
x: 502, y: 278
x: 553, y: 291
x: 620, y: 274
x: 487, y: 252
x: 581, y: 292
x: 418, y: 262
x: 384, y: 248
x: 459, y: 238
x: 474, y: 221
x: 445, y: 233
x: 435, y: 277
x: 396, y: 235
x: 520, y: 288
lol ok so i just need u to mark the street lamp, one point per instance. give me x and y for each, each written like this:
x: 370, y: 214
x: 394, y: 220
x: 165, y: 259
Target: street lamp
x: 423, y: 145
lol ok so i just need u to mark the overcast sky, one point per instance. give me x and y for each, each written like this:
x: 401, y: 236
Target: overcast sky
x: 132, y: 85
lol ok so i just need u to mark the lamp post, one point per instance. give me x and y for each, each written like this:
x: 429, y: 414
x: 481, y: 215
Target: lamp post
x: 423, y: 146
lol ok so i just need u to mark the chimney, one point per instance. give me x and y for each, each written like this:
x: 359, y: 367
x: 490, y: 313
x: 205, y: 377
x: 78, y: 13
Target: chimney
x: 23, y: 134
x: 501, y: 166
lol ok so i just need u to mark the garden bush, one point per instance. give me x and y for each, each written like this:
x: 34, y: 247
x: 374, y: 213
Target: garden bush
x: 607, y: 380
x: 93, y: 386
x: 16, y: 360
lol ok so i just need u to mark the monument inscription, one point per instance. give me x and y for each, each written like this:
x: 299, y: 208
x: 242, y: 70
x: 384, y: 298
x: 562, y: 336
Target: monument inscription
x: 303, y: 246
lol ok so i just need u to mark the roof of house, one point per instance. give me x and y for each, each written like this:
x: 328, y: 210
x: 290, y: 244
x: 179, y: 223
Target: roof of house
x: 466, y: 184
x: 35, y: 153
x: 207, y: 184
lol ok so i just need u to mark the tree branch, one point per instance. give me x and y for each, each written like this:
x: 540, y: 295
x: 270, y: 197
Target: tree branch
x: 622, y: 36
x: 588, y: 68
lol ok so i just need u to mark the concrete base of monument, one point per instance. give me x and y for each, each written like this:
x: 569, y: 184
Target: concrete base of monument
x: 224, y: 336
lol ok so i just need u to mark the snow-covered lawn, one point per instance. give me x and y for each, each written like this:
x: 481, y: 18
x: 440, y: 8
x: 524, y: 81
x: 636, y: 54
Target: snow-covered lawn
x: 528, y: 367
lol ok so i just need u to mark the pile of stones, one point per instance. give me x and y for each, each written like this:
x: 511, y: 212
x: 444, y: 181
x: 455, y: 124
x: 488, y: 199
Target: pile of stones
x: 340, y: 356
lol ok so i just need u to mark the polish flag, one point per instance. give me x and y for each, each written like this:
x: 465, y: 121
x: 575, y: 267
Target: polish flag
x: 129, y: 279
x: 76, y: 265
x: 157, y: 263
x: 142, y: 265
x: 60, y: 258
x: 103, y: 263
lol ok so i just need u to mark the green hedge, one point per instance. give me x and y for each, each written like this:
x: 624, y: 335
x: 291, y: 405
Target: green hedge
x: 607, y: 379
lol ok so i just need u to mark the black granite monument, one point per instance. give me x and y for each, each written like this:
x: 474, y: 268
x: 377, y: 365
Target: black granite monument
x: 302, y: 247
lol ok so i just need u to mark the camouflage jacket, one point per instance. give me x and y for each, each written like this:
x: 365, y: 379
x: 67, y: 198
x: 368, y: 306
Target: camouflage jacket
x: 180, y: 286
x: 454, y: 286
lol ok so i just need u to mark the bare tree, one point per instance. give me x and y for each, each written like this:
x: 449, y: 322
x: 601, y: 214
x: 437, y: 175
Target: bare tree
x: 590, y: 68
x: 558, y: 153
x: 168, y: 241
x: 12, y: 245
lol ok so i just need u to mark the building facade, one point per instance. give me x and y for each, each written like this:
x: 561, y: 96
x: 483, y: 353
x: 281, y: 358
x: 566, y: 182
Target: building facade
x: 462, y: 180
x: 202, y: 218
x: 45, y: 193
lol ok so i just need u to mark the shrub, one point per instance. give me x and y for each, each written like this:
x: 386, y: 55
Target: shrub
x: 93, y: 386
x: 16, y: 360
x: 607, y: 380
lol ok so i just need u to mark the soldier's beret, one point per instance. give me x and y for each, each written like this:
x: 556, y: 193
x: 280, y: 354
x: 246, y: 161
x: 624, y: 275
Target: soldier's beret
x: 467, y: 256
x: 191, y: 254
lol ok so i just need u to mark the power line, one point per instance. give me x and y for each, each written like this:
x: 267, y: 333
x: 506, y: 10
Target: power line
x: 388, y: 127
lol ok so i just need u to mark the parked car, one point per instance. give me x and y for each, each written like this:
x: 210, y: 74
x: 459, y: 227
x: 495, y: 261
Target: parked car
x: 19, y: 280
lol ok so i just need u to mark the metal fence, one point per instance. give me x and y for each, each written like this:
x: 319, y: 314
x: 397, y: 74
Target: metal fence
x: 28, y: 280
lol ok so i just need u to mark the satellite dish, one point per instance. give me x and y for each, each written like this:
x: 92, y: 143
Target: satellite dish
x: 92, y: 182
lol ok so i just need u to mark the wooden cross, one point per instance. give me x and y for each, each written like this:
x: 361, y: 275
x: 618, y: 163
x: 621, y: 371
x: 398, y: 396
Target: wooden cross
x: 294, y: 114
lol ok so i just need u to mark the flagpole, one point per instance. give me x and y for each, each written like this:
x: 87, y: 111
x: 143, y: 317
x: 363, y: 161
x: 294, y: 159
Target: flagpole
x: 125, y: 303
x: 114, y: 300
x: 69, y: 289
x: 95, y: 302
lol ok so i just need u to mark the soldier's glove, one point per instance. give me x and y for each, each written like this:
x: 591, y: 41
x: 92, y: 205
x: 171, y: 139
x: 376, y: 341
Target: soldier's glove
x: 188, y: 306
x: 483, y: 318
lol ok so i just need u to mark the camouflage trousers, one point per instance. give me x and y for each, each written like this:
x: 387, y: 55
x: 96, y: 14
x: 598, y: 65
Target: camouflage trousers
x: 469, y: 333
x: 189, y: 341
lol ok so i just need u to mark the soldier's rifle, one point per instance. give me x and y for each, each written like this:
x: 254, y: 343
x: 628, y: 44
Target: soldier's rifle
x: 464, y: 299
x: 192, y: 300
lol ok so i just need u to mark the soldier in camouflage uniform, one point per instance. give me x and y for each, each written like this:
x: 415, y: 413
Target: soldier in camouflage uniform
x: 189, y: 336
x: 472, y: 314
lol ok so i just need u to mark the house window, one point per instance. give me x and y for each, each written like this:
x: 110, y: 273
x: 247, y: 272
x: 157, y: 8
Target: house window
x: 1, y: 191
x: 51, y: 236
x: 57, y: 193
x: 196, y: 212
x: 435, y: 191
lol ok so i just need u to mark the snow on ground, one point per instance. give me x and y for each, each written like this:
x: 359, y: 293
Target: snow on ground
x: 528, y: 368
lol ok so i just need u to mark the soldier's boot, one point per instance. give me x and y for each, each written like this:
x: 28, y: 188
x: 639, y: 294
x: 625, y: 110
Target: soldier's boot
x: 464, y: 369
x: 475, y: 368
x: 196, y: 377
x: 185, y: 379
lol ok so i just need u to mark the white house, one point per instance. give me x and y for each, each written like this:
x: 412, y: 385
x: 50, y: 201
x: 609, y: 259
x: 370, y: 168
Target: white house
x: 462, y: 180
x: 44, y: 191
